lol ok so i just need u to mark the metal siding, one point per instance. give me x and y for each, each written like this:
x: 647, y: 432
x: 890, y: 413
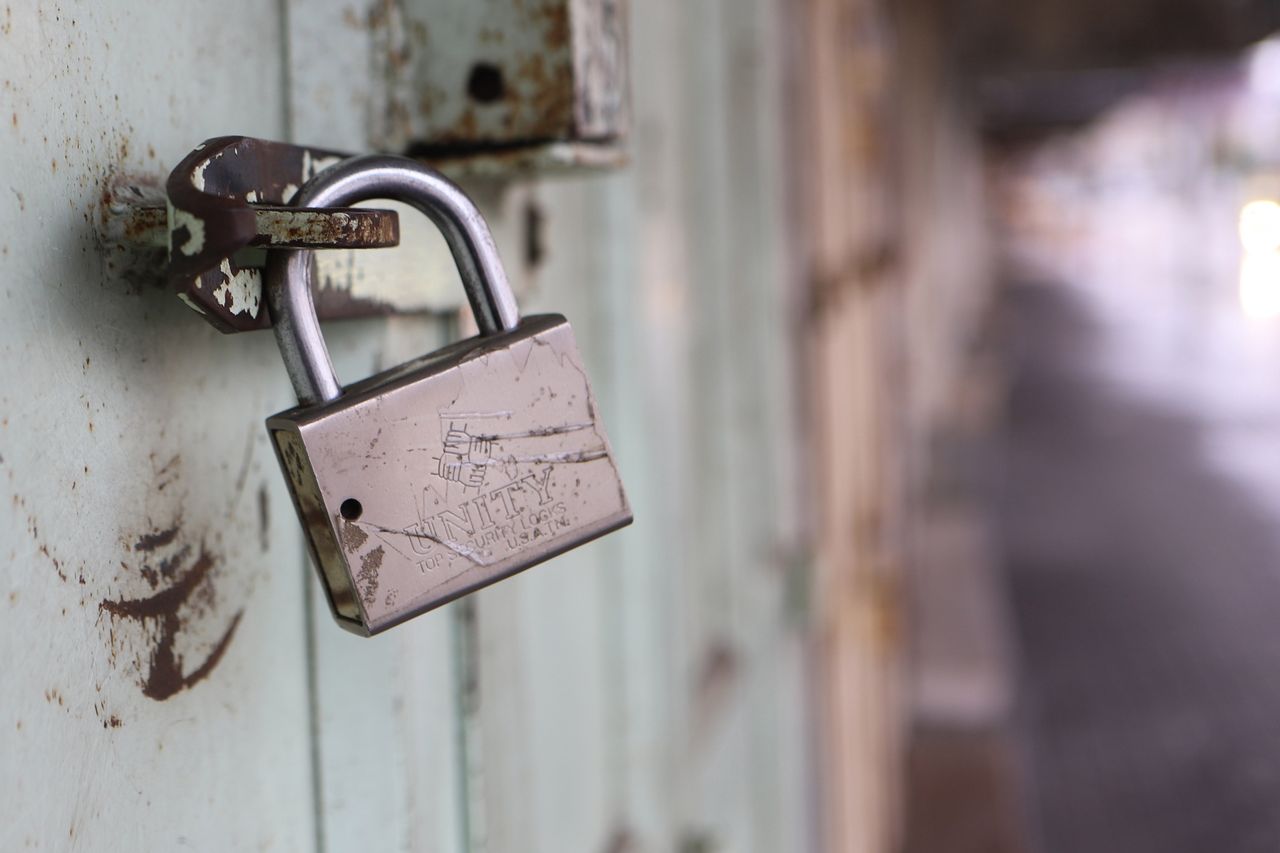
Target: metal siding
x: 644, y: 692
x: 132, y: 435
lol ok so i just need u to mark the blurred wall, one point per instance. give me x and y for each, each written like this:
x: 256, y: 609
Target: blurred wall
x: 895, y: 267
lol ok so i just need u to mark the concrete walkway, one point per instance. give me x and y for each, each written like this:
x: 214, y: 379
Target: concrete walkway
x: 1144, y: 584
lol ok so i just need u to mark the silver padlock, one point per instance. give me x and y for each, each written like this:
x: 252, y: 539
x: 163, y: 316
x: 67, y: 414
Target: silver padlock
x: 438, y: 477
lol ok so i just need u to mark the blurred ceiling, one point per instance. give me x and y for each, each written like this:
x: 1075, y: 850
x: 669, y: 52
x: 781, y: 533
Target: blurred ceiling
x: 1039, y: 63
x: 996, y: 36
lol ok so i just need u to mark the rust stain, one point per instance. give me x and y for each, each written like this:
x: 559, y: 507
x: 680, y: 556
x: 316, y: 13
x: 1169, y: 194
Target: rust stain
x: 357, y: 228
x: 145, y: 226
x: 623, y: 840
x: 430, y: 99
x: 535, y: 242
x: 367, y: 577
x: 166, y: 675
x: 555, y: 20
x: 718, y: 674
x: 165, y: 570
x: 264, y: 517
x: 525, y: 94
x: 353, y: 538
x: 468, y: 125
x: 151, y: 541
x: 549, y: 101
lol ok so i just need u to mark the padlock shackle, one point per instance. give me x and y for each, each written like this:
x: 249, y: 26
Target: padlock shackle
x: 378, y: 176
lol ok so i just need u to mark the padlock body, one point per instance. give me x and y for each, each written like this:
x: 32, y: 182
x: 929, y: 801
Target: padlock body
x: 444, y: 475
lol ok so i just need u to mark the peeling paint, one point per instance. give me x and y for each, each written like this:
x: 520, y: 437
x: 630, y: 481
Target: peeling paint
x: 243, y: 286
x: 180, y: 219
x: 197, y: 176
x: 312, y: 166
x: 216, y: 186
x: 198, y: 173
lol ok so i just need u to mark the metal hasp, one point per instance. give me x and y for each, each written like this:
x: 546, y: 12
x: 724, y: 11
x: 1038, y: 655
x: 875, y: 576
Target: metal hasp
x: 490, y: 87
x: 229, y: 197
x: 206, y: 234
x: 451, y: 472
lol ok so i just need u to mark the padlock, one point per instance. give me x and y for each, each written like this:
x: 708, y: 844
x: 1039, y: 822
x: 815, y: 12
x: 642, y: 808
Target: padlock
x: 441, y: 476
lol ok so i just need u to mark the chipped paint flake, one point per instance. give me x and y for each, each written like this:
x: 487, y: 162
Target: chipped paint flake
x: 195, y: 230
x: 243, y: 286
x: 312, y: 166
x: 197, y: 176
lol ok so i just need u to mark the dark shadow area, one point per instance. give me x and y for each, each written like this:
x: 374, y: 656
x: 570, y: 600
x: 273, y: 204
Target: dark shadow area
x: 1145, y: 593
x: 961, y: 793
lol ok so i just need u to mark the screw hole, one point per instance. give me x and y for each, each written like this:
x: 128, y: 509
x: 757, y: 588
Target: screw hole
x: 351, y: 509
x: 485, y: 84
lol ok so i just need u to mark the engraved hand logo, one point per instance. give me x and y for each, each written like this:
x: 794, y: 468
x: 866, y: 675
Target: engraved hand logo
x: 465, y: 457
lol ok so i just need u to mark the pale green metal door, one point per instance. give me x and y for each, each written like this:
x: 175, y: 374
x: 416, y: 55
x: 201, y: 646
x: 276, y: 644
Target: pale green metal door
x: 172, y: 677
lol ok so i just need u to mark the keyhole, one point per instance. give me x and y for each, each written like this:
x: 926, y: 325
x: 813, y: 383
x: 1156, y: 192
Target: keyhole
x: 351, y: 509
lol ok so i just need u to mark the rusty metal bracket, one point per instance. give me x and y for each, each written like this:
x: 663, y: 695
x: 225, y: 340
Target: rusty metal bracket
x: 224, y: 206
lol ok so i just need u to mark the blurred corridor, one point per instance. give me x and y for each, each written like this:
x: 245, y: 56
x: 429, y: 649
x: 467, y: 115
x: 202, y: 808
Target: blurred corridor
x: 1143, y: 583
x: 1096, y: 663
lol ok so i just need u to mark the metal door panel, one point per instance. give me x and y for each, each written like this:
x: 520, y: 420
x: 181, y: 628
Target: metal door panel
x: 155, y: 688
x: 639, y: 694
